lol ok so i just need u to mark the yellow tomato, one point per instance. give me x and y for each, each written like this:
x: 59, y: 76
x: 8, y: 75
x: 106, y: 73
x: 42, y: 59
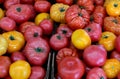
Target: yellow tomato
x: 15, y: 40
x: 113, y: 8
x: 1, y: 13
x: 57, y: 12
x: 3, y: 45
x: 40, y: 17
x: 107, y: 40
x: 80, y: 39
x: 20, y: 69
x: 111, y: 68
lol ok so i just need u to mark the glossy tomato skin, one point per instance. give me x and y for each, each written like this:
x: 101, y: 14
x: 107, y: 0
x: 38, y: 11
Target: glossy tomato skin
x: 7, y: 24
x: 17, y: 56
x: 8, y: 3
x: 115, y: 54
x: 117, y: 43
x: 97, y: 54
x: 64, y: 29
x: 4, y: 66
x: 21, y: 11
x: 68, y: 2
x: 37, y: 72
x: 23, y: 26
x: 94, y: 30
x: 71, y: 68
x: 47, y: 26
x: 96, y: 73
x: 76, y: 18
x: 36, y: 51
x: 33, y: 32
x: 58, y: 41
x: 42, y: 6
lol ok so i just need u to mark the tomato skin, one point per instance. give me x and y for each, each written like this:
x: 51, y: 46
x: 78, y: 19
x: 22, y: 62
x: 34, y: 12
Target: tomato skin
x: 118, y: 76
x: 76, y: 18
x: 42, y: 6
x: 115, y: 54
x: 27, y: 1
x: 7, y: 24
x: 9, y: 3
x: 117, y: 44
x: 4, y: 66
x: 58, y: 41
x: 37, y: 72
x: 36, y: 51
x: 98, y: 2
x: 33, y: 32
x: 21, y: 11
x: 71, y: 68
x: 96, y: 73
x: 97, y: 54
x: 68, y: 2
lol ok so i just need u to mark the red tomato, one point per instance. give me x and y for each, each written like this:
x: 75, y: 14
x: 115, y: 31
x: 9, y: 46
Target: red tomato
x: 71, y: 68
x: 42, y: 6
x: 94, y: 30
x: 68, y: 2
x: 64, y: 29
x: 25, y: 25
x: 96, y: 53
x: 8, y: 3
x: 27, y: 1
x: 33, y: 32
x: 76, y: 17
x: 4, y: 66
x: 58, y: 41
x: 19, y: 12
x: 7, y: 24
x: 65, y: 52
x: 96, y: 73
x: 115, y: 54
x: 117, y: 43
x: 47, y: 26
x: 17, y: 56
x: 36, y: 51
x: 37, y: 72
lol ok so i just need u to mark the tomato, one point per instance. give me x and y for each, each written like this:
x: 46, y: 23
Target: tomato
x: 42, y: 6
x: 80, y: 39
x: 36, y: 51
x: 107, y: 40
x: 86, y: 4
x: 9, y: 3
x: 47, y: 26
x: 33, y: 32
x: 57, y: 12
x: 117, y: 43
x: 115, y: 54
x: 96, y: 73
x: 20, y: 69
x: 1, y: 13
x: 76, y: 18
x: 71, y: 68
x: 7, y: 24
x: 3, y: 45
x: 68, y: 2
x: 94, y: 30
x: 97, y: 54
x: 37, y: 72
x: 65, y: 52
x: 112, y: 8
x: 15, y: 40
x: 58, y: 41
x: 64, y: 29
x: 4, y: 66
x: 15, y: 56
x: 40, y: 17
x: 112, y: 24
x: 111, y: 68
x: 20, y: 11
x: 23, y: 26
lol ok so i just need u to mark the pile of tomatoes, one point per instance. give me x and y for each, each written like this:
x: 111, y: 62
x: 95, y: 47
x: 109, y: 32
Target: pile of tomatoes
x: 84, y: 34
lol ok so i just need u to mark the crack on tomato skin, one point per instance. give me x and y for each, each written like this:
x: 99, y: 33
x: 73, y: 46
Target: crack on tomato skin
x: 38, y: 49
x: 11, y: 37
x: 18, y: 9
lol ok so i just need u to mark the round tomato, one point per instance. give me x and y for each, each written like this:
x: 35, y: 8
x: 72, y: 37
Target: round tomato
x: 76, y: 18
x: 71, y: 68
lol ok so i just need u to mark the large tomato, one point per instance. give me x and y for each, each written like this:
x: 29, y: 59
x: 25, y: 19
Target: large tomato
x: 71, y: 68
x: 76, y: 17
